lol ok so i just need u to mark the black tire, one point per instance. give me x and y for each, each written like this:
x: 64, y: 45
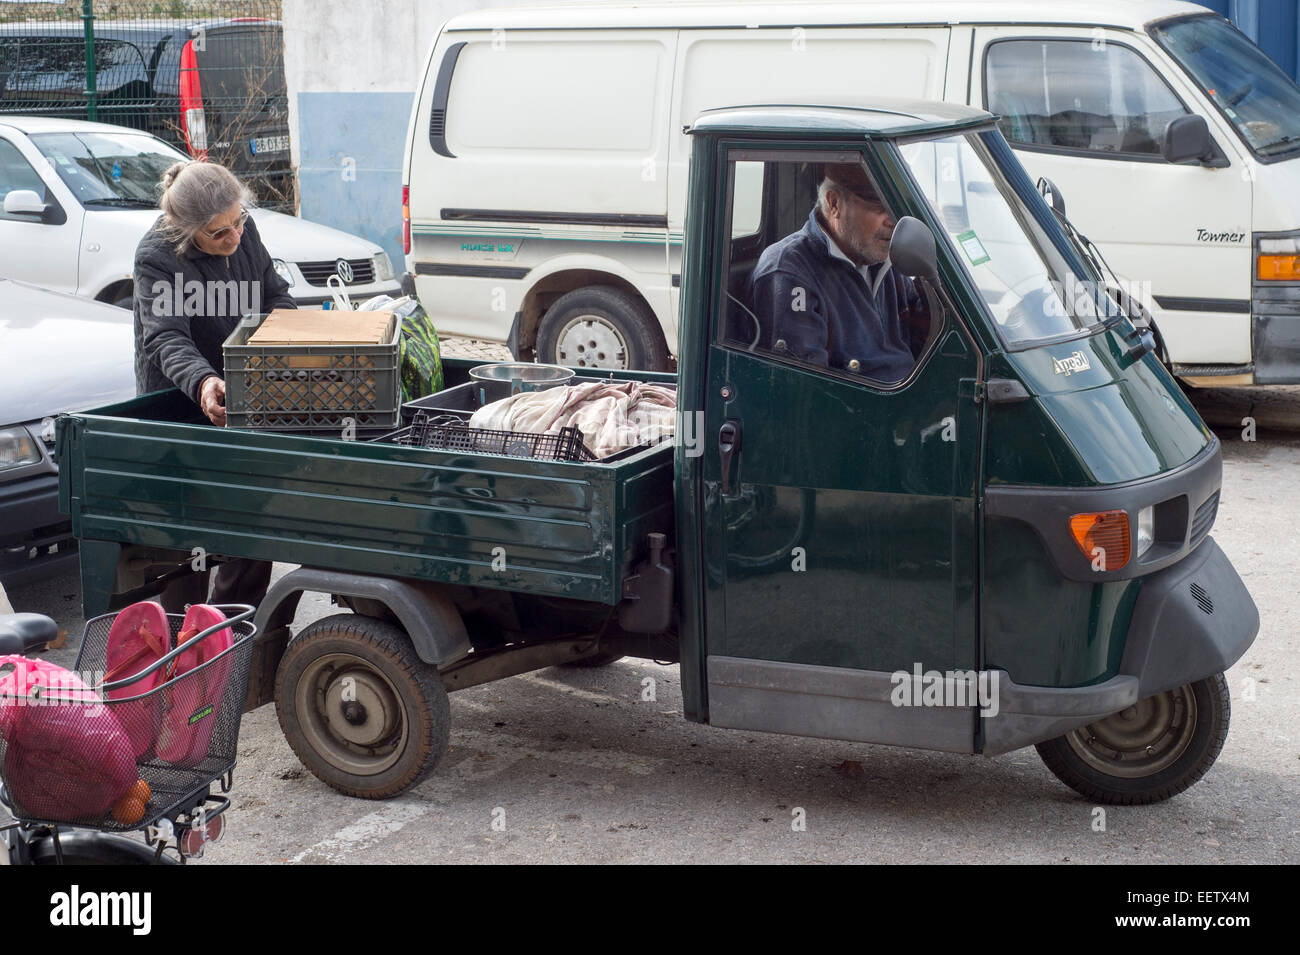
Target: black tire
x: 591, y: 663
x: 94, y: 848
x: 127, y: 302
x: 393, y: 730
x: 1151, y: 751
x: 622, y: 331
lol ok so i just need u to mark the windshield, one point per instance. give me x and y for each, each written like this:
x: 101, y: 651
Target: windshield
x: 108, y: 168
x: 1029, y: 287
x: 1249, y: 88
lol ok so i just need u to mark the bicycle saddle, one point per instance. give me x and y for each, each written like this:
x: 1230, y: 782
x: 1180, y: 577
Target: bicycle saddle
x: 24, y: 632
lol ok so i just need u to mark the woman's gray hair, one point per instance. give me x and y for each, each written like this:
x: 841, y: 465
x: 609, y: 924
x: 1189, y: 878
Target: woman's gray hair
x: 195, y: 192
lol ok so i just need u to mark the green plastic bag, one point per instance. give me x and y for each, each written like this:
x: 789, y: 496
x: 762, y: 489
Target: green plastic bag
x: 419, y: 356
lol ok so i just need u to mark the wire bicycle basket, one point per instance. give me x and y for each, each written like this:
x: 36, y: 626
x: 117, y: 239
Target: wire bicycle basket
x: 61, y: 756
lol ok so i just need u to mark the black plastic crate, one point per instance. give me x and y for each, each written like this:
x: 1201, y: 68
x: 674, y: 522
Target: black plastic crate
x: 310, y: 387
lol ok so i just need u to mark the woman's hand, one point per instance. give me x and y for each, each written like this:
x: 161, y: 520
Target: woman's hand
x: 212, y: 399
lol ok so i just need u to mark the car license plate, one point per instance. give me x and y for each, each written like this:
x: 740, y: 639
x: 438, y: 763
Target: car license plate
x: 269, y: 144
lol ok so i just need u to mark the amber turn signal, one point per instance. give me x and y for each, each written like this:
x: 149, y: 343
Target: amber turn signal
x: 1103, y: 537
x: 1278, y: 268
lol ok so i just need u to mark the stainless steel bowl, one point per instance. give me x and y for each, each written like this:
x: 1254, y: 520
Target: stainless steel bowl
x: 501, y: 380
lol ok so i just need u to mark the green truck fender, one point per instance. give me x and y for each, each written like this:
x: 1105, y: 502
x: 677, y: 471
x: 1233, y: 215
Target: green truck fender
x: 1192, y: 620
x: 425, y: 612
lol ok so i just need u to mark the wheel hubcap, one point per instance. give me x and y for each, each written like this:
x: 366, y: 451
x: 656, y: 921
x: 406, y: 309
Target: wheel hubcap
x: 589, y: 341
x: 353, y: 714
x: 1141, y: 740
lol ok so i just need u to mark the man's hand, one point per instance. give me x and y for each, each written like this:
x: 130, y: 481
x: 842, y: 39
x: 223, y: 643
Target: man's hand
x: 212, y: 399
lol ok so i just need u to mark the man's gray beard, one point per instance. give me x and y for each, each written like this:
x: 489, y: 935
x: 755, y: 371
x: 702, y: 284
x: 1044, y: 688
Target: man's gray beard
x: 874, y: 253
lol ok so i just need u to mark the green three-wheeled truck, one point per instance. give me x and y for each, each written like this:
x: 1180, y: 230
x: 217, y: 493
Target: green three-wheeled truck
x: 1008, y: 547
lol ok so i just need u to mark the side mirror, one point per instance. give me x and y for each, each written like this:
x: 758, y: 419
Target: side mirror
x: 1049, y: 191
x: 1187, y: 138
x: 24, y: 202
x: 912, y: 249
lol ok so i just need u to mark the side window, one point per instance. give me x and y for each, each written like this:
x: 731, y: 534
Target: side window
x: 1076, y: 94
x: 17, y: 173
x: 807, y: 239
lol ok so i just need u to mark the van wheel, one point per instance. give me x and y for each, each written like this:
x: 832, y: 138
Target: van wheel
x: 361, y: 710
x: 601, y: 327
x: 1153, y: 750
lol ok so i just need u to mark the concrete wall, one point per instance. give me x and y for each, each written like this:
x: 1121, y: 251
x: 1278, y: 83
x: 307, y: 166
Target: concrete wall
x: 352, y: 69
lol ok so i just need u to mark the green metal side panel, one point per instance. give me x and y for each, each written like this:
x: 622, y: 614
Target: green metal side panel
x: 569, y: 530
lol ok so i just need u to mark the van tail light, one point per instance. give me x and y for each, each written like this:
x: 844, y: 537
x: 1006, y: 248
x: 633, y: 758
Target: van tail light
x: 406, y: 220
x: 193, y: 120
x: 1103, y: 537
x: 1277, y: 268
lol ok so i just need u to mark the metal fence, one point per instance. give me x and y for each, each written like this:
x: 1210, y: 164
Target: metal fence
x: 206, y: 76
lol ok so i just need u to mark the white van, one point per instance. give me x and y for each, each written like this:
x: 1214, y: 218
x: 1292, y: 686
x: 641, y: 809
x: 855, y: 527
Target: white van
x: 546, y: 166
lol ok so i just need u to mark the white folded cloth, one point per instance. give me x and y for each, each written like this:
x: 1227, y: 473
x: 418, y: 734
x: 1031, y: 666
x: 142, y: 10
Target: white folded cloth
x: 612, y: 415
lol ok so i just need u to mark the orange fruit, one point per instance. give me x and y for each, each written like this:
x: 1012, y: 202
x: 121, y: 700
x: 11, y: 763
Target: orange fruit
x: 128, y: 810
x: 140, y: 790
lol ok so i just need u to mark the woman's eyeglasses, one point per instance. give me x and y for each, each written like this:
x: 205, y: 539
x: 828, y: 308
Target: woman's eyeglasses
x: 220, y: 234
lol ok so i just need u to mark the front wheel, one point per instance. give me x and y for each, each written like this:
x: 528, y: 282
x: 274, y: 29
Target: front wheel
x: 1153, y: 750
x: 359, y: 707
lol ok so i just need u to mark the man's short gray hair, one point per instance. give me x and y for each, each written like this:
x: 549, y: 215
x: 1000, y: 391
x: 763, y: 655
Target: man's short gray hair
x: 828, y: 185
x: 193, y: 193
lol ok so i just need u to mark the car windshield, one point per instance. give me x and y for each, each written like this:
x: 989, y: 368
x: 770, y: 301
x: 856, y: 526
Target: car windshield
x: 108, y: 169
x: 1249, y: 88
x: 1029, y: 287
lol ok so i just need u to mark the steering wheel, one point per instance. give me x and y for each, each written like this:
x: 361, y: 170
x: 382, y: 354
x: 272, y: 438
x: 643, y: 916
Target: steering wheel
x: 1239, y: 94
x: 1028, y: 318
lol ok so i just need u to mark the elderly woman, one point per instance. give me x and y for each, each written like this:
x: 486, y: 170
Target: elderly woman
x: 197, y: 272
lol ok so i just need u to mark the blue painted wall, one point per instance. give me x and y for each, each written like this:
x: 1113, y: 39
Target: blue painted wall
x: 1272, y: 24
x: 363, y: 196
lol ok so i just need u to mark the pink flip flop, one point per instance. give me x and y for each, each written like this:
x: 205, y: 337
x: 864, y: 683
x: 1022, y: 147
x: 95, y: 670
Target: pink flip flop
x: 140, y: 636
x: 193, y: 702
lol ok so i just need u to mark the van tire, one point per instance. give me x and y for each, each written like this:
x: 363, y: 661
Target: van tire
x: 387, y: 746
x: 1192, y: 721
x: 624, y: 331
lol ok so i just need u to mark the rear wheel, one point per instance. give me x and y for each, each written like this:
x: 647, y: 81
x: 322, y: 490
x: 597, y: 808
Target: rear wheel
x: 361, y: 710
x: 1148, y: 752
x: 601, y: 327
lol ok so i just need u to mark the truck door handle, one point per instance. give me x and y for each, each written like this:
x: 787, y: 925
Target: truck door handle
x: 729, y: 441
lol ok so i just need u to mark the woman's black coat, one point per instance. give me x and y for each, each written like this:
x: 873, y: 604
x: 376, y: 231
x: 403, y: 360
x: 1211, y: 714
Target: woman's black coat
x: 187, y: 304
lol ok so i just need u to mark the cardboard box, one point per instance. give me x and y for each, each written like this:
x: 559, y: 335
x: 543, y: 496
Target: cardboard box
x: 303, y: 326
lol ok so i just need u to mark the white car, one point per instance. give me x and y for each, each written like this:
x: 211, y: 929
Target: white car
x: 57, y: 353
x: 79, y: 196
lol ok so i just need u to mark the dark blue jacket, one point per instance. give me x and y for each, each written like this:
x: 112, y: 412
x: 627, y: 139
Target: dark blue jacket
x: 840, y: 320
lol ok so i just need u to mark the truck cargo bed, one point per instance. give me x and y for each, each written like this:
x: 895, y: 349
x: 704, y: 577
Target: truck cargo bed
x: 153, y: 472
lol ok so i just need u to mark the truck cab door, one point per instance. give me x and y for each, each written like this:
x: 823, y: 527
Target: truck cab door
x: 839, y: 512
